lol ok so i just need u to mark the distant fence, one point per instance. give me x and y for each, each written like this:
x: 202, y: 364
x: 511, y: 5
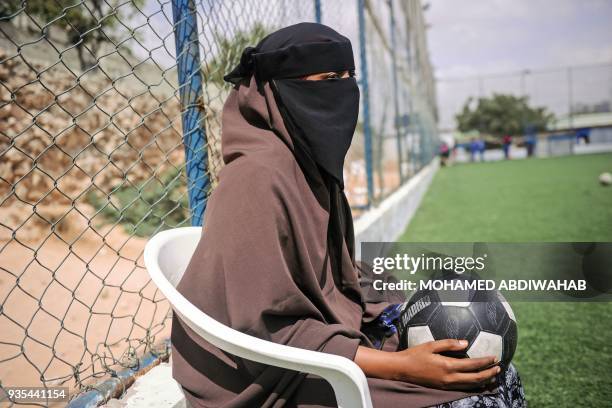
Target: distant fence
x: 110, y: 132
x: 566, y: 91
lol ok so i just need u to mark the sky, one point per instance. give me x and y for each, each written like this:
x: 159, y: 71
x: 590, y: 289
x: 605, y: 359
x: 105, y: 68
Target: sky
x: 481, y: 37
x: 466, y: 38
x: 489, y: 36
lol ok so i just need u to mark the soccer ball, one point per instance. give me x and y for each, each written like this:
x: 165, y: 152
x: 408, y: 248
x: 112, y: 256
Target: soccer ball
x: 483, y: 318
x: 605, y: 179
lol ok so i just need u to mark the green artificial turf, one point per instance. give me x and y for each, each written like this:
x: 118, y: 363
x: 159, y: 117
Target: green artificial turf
x: 553, y: 200
x: 564, y: 353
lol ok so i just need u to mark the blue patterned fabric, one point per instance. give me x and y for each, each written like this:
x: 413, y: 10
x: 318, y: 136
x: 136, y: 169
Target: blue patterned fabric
x: 509, y: 394
x: 384, y: 326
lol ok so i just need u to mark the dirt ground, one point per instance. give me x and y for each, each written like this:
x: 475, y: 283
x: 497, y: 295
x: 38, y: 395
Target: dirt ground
x: 90, y: 301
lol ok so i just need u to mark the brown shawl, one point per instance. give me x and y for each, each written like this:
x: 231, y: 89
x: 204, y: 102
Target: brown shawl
x: 261, y: 268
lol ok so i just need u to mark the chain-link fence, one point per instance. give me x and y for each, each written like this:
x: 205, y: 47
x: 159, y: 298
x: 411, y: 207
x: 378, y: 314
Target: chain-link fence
x: 106, y: 139
x: 577, y: 102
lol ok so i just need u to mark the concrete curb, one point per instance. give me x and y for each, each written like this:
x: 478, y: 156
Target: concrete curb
x: 387, y: 221
x: 157, y: 388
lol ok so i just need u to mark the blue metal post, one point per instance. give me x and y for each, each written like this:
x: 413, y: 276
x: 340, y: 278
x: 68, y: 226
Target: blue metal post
x: 317, y: 5
x: 365, y: 96
x: 398, y: 134
x: 192, y: 105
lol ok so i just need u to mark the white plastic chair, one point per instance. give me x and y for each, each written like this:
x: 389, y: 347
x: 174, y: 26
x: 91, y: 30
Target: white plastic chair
x: 166, y: 257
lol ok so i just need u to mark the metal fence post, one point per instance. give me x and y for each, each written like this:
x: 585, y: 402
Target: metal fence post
x: 317, y: 6
x: 365, y: 95
x: 395, y: 91
x: 570, y: 98
x: 411, y: 151
x: 192, y: 105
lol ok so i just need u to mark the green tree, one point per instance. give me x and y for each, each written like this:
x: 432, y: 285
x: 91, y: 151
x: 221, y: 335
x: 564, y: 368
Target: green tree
x: 87, y: 23
x: 502, y: 115
x: 230, y: 50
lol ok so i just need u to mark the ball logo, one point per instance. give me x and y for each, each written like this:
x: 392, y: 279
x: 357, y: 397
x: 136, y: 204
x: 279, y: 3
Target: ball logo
x: 414, y: 309
x: 452, y: 327
x: 492, y: 313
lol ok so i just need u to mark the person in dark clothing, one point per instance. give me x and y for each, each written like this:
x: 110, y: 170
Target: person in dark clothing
x: 444, y: 153
x: 506, y: 144
x: 276, y: 258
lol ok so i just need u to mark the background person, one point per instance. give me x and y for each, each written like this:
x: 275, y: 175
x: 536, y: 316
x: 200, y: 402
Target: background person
x: 481, y: 149
x: 474, y: 148
x: 506, y: 144
x: 444, y: 153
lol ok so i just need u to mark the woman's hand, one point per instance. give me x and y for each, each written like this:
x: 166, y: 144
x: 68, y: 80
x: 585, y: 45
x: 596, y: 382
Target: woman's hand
x: 423, y: 365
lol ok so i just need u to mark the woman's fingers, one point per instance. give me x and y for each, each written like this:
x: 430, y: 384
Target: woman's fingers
x: 475, y: 379
x: 440, y: 346
x: 471, y: 364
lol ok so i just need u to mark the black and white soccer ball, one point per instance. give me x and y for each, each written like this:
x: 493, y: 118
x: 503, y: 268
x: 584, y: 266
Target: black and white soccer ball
x: 483, y: 318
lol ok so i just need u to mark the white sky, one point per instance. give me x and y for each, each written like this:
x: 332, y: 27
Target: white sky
x: 482, y: 36
x: 474, y: 37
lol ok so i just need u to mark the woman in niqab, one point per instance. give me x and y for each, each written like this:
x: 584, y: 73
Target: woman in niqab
x: 276, y: 258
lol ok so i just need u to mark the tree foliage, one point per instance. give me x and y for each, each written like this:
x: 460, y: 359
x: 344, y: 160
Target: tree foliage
x: 502, y: 115
x: 230, y: 50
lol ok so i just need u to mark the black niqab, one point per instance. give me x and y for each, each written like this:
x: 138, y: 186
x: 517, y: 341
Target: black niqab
x: 320, y: 116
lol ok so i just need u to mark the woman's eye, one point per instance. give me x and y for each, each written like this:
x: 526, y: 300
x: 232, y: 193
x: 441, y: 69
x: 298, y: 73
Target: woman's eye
x: 333, y: 76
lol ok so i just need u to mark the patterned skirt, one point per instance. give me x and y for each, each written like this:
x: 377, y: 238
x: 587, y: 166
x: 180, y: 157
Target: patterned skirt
x: 509, y: 394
